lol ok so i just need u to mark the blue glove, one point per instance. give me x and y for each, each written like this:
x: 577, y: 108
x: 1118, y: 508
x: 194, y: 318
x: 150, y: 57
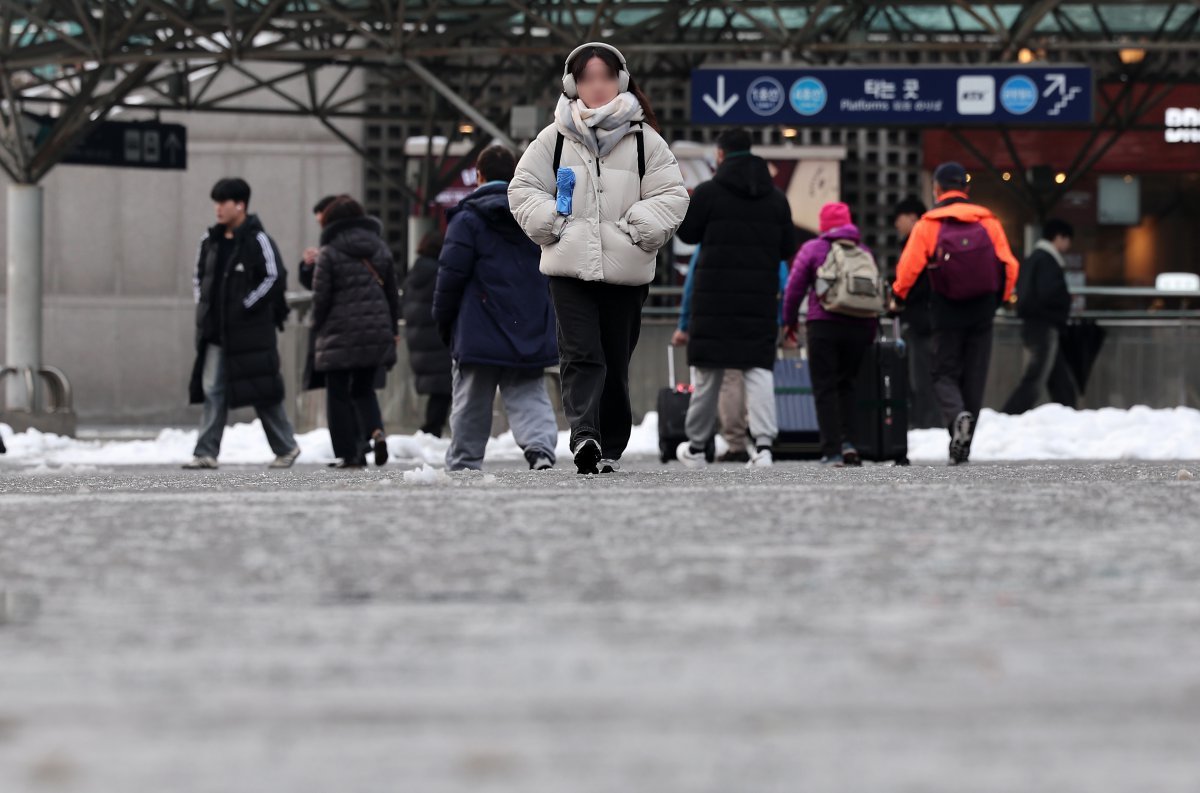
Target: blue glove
x: 566, y: 188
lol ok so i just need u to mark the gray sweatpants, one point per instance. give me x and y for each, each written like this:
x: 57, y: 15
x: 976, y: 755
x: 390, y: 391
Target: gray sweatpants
x: 732, y: 410
x: 760, y: 401
x: 526, y: 402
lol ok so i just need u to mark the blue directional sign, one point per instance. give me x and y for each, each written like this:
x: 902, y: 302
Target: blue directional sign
x: 899, y: 97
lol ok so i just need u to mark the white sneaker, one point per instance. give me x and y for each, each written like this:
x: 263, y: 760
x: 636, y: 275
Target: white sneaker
x: 285, y: 460
x: 540, y: 463
x: 761, y: 458
x: 690, y: 459
x: 201, y: 464
x: 720, y: 447
x: 609, y: 466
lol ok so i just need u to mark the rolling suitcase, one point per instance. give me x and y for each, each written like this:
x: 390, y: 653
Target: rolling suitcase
x: 673, y: 404
x: 796, y: 410
x: 881, y: 391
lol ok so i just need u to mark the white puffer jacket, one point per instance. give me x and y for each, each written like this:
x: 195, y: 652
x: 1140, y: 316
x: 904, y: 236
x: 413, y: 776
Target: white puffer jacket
x: 615, y: 228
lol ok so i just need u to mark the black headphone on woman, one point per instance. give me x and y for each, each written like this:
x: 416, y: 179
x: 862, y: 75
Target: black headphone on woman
x: 568, y: 79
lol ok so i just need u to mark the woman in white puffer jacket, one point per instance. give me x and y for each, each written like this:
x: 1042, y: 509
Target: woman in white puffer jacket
x: 600, y: 247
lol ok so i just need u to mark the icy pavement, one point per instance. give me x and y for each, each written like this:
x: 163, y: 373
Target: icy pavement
x: 998, y: 628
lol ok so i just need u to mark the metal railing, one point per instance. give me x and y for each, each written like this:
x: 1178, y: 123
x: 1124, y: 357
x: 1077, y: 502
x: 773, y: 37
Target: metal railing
x: 58, y: 388
x: 301, y: 301
x: 1142, y: 293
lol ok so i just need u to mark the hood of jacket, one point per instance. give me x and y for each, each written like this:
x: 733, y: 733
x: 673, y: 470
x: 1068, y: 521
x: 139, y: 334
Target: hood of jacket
x: 250, y: 226
x: 745, y: 175
x: 490, y: 203
x: 846, y: 232
x: 355, y: 237
x: 957, y: 206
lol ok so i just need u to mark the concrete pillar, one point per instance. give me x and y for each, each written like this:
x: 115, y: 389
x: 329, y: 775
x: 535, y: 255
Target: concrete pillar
x: 23, y: 344
x: 417, y: 227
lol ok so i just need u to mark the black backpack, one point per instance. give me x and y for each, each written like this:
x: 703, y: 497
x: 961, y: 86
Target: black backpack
x: 641, y: 154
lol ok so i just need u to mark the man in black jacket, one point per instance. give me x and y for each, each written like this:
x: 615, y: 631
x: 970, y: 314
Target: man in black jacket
x: 1044, y: 305
x: 924, y: 412
x: 237, y: 358
x: 744, y: 226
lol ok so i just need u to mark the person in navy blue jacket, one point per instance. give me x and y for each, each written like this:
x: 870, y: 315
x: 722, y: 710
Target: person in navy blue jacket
x: 492, y: 308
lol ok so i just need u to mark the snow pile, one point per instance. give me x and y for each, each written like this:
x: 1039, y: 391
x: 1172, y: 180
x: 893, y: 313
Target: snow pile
x: 1051, y: 432
x: 245, y: 444
x: 426, y: 475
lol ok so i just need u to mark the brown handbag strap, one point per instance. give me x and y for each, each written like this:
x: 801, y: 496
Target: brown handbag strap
x: 374, y: 272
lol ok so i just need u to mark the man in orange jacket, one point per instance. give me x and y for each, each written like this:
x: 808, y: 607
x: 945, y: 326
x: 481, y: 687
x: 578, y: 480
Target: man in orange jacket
x: 972, y: 271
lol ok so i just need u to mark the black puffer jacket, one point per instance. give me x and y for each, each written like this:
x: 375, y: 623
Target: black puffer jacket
x: 1042, y: 292
x: 744, y: 226
x: 427, y: 354
x: 354, y: 316
x: 247, y: 317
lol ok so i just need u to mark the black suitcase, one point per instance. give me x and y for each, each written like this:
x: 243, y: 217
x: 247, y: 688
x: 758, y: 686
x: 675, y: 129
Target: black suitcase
x: 673, y: 404
x: 881, y: 392
x: 796, y: 411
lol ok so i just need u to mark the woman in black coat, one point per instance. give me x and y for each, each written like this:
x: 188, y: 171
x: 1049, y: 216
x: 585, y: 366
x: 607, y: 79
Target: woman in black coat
x: 356, y: 312
x: 427, y: 353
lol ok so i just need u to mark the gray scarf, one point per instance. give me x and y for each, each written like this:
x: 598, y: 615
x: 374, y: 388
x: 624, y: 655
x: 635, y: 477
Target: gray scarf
x: 600, y: 129
x: 1048, y: 247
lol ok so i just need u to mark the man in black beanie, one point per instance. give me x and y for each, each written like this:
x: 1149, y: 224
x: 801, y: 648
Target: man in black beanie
x: 923, y: 413
x: 972, y: 271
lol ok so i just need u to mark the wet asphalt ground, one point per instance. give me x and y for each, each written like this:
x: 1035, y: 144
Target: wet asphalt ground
x: 997, y: 628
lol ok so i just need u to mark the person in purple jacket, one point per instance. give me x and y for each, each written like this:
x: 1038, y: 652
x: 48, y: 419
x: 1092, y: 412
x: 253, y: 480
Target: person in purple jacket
x: 837, y: 343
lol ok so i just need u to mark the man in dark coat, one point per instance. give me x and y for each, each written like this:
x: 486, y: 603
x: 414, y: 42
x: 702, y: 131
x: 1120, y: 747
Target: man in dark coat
x: 492, y: 307
x: 744, y: 226
x: 1044, y: 305
x: 236, y: 282
x: 428, y: 355
x: 923, y: 412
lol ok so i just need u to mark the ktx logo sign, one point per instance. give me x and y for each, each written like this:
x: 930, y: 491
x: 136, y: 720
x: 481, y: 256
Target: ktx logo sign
x: 977, y: 95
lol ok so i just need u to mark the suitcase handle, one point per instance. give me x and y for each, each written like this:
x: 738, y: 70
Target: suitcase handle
x: 897, y: 336
x: 672, y: 383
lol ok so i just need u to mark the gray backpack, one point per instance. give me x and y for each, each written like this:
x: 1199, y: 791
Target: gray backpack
x: 848, y: 282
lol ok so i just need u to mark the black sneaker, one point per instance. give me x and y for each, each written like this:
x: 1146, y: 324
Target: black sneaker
x: 962, y: 431
x: 587, y: 455
x: 379, y: 441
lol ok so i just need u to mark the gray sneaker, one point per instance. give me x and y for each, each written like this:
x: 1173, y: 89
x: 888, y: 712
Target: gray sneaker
x: 285, y: 460
x: 201, y: 464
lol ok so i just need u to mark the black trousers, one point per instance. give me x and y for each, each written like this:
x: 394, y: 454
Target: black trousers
x: 598, y: 329
x: 923, y: 412
x: 961, y: 357
x: 352, y: 410
x: 835, y: 357
x: 1045, y: 369
x: 437, y: 413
